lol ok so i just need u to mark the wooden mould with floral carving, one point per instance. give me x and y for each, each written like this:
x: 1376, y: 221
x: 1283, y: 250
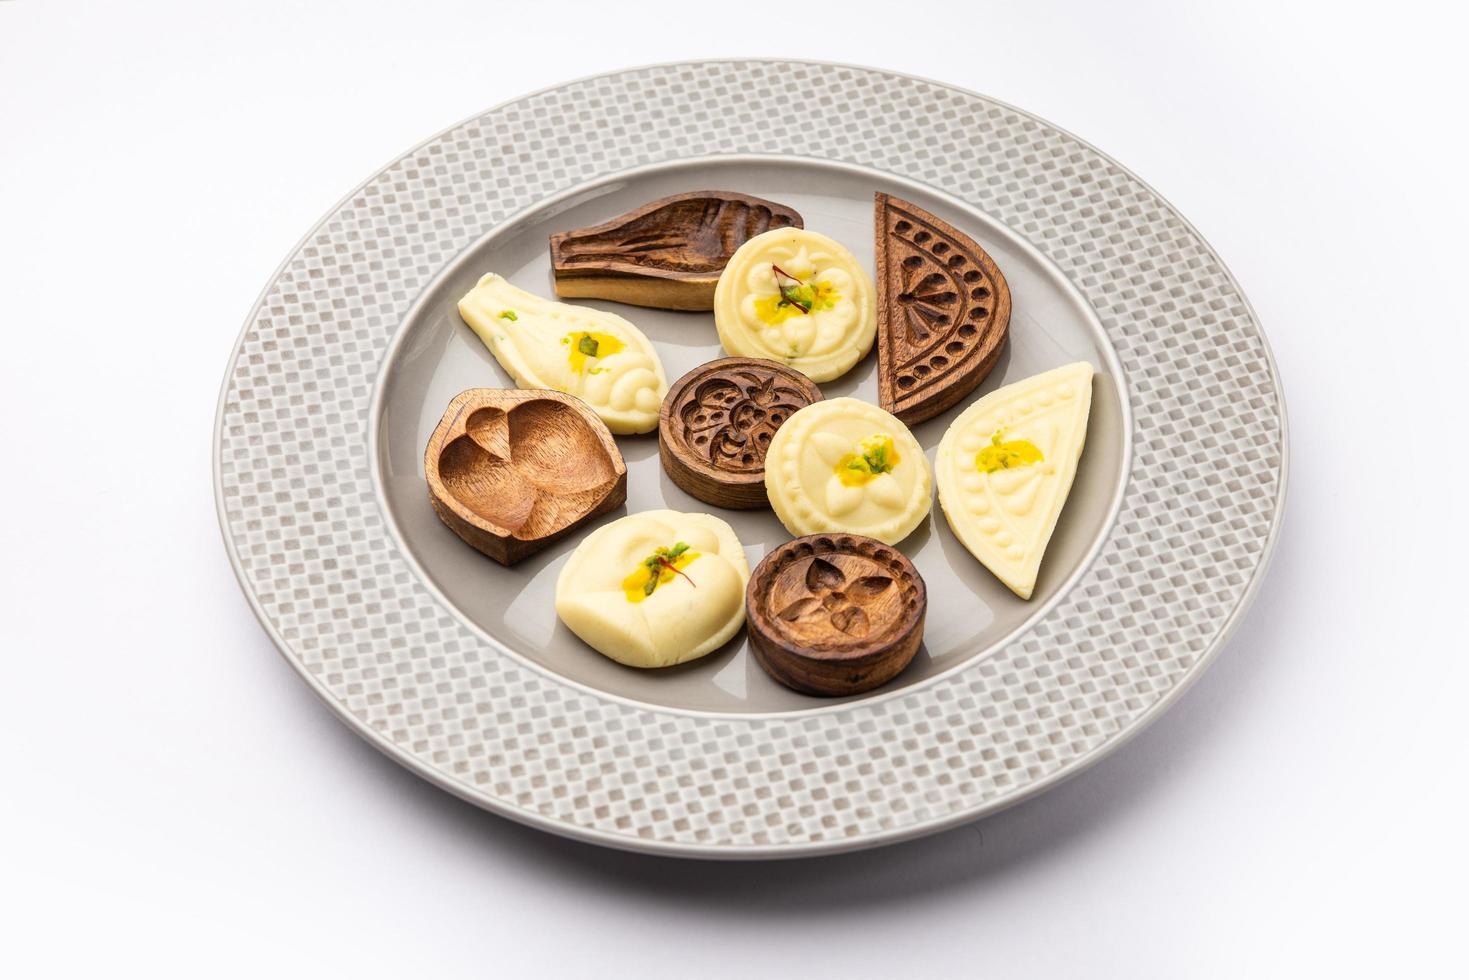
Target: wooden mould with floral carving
x: 717, y: 422
x: 835, y: 614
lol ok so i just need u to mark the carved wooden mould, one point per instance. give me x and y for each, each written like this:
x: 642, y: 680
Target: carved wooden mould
x: 512, y: 470
x: 943, y: 311
x: 668, y: 253
x: 716, y: 424
x: 835, y: 614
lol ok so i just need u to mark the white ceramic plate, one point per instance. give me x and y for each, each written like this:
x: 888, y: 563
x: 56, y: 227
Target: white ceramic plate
x: 458, y: 668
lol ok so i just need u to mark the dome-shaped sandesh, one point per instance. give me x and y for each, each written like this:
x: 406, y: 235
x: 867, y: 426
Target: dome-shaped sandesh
x: 656, y: 588
x: 597, y: 356
x: 797, y: 297
x: 846, y: 465
x: 1005, y: 468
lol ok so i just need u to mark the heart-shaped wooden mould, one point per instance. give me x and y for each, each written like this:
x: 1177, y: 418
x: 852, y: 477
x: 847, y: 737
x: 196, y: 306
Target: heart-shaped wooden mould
x: 511, y: 470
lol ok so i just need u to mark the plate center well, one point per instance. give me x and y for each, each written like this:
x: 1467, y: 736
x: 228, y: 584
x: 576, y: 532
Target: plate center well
x: 435, y: 356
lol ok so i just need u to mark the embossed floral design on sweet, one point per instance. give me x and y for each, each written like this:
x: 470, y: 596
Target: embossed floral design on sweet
x: 846, y: 465
x: 858, y: 471
x: 797, y: 297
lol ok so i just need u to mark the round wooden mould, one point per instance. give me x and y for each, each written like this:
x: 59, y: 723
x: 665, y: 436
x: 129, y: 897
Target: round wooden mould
x: 511, y: 471
x: 716, y: 424
x: 835, y: 614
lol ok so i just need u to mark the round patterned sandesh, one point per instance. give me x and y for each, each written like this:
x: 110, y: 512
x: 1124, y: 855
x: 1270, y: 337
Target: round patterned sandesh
x: 798, y: 297
x: 835, y: 614
x: 718, y: 422
x: 843, y: 465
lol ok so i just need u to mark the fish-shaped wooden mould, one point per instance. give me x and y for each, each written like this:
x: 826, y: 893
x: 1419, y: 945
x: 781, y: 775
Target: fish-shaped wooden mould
x: 668, y: 253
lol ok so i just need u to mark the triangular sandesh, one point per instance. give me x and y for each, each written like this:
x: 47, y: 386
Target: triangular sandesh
x: 943, y: 311
x: 1005, y: 468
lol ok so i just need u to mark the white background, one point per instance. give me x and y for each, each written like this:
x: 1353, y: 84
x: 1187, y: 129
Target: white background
x: 176, y: 803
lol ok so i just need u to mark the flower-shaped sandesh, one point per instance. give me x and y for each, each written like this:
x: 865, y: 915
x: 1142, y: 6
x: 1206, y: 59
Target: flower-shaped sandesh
x: 833, y: 598
x: 795, y: 296
x: 798, y: 306
x: 861, y: 471
x: 846, y: 465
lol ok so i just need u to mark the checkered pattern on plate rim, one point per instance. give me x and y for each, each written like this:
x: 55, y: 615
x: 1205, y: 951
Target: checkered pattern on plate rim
x: 312, y: 551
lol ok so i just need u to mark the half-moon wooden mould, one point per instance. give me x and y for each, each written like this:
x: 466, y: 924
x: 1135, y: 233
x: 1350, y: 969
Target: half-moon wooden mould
x: 512, y: 470
x: 668, y: 253
x: 835, y: 614
x: 717, y: 423
x: 943, y: 311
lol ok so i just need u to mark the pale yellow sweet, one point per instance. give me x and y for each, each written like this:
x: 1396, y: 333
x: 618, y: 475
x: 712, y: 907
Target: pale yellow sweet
x: 1005, y: 468
x: 818, y: 478
x: 682, y: 619
x: 823, y: 343
x: 545, y: 344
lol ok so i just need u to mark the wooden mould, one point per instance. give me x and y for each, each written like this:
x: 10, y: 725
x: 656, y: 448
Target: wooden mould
x: 668, y: 253
x: 943, y: 311
x: 835, y: 614
x: 512, y: 470
x: 716, y: 424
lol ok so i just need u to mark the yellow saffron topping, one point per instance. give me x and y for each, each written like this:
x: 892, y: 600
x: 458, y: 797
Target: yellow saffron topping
x: 777, y: 308
x: 874, y: 455
x: 1006, y: 455
x: 584, y: 346
x: 658, y: 569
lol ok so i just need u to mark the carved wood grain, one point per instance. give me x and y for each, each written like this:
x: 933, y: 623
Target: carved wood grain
x: 668, y: 253
x: 512, y: 470
x: 717, y: 422
x: 943, y: 311
x: 835, y: 614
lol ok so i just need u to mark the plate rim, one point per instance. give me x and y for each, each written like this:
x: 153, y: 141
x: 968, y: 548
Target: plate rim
x: 1026, y: 791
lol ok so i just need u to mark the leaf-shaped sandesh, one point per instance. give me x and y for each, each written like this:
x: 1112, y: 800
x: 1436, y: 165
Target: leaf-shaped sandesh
x: 823, y: 576
x: 800, y: 609
x: 869, y: 587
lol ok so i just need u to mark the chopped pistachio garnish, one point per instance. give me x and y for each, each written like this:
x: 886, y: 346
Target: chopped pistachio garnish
x: 657, y: 569
x: 587, y: 347
x: 1006, y: 455
x: 508, y: 315
x: 873, y: 456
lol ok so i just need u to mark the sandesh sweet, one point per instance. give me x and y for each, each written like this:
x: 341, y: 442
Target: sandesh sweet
x: 846, y: 465
x: 655, y: 589
x: 797, y: 297
x: 1005, y: 468
x: 599, y: 357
